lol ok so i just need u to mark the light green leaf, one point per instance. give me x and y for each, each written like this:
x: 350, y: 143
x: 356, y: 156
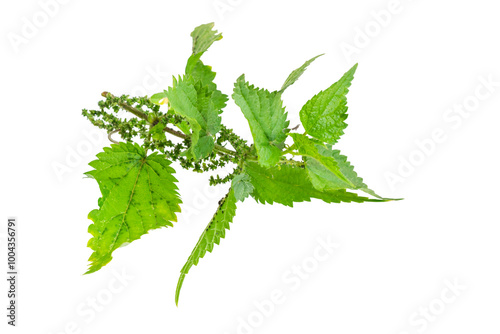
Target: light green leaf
x: 183, y: 99
x: 158, y: 132
x: 138, y: 194
x: 295, y: 75
x: 266, y: 116
x: 184, y: 127
x: 159, y: 98
x: 308, y: 148
x: 327, y: 168
x: 203, y: 147
x: 214, y: 231
x: 207, y: 109
x: 198, y: 71
x: 242, y: 186
x: 288, y: 184
x: 203, y: 37
x: 324, y: 115
x: 202, y: 76
x: 324, y: 179
x: 196, y: 106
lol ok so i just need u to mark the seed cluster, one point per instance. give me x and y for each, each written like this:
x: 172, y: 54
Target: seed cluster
x: 164, y: 138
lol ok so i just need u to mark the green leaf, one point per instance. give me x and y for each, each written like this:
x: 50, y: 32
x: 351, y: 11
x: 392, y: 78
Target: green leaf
x: 204, y: 146
x: 327, y: 168
x: 323, y: 179
x: 295, y: 75
x: 196, y: 106
x: 183, y: 99
x: 309, y: 148
x: 157, y: 131
x: 208, y: 111
x: 196, y: 97
x: 201, y: 76
x: 203, y: 37
x: 242, y: 186
x: 159, y: 98
x: 324, y: 115
x: 214, y: 231
x: 138, y: 194
x: 266, y: 117
x: 184, y: 127
x: 198, y: 71
x: 288, y: 184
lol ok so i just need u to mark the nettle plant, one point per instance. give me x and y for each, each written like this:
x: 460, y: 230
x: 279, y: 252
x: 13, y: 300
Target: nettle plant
x: 137, y: 184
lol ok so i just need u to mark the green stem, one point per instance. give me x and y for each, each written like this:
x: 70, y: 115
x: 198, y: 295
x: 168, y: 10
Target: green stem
x: 225, y: 150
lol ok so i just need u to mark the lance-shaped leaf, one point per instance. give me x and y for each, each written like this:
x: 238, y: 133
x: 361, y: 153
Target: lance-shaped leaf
x: 324, y: 115
x: 288, y: 184
x: 203, y: 37
x: 308, y: 148
x: 198, y: 108
x: 214, y: 231
x: 323, y: 179
x: 295, y: 75
x: 138, y: 194
x: 327, y: 168
x: 266, y: 116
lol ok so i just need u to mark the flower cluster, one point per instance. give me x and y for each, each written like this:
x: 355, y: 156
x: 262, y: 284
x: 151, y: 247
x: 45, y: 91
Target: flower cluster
x: 151, y: 126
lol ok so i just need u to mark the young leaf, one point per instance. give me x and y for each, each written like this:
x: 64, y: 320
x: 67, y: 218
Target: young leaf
x: 215, y: 230
x: 287, y: 184
x: 202, y: 76
x: 198, y: 71
x: 204, y: 37
x: 157, y: 132
x: 138, y: 194
x: 199, y: 111
x: 159, y: 98
x: 323, y: 115
x: 295, y: 75
x: 242, y: 186
x: 266, y: 116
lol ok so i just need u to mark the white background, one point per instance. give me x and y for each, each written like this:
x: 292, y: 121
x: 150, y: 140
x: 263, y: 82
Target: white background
x: 394, y: 263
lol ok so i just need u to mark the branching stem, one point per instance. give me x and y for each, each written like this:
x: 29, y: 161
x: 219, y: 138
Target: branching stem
x: 126, y: 107
x: 218, y: 148
x: 173, y: 132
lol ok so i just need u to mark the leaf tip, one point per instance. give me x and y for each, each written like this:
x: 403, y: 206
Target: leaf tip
x: 178, y: 289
